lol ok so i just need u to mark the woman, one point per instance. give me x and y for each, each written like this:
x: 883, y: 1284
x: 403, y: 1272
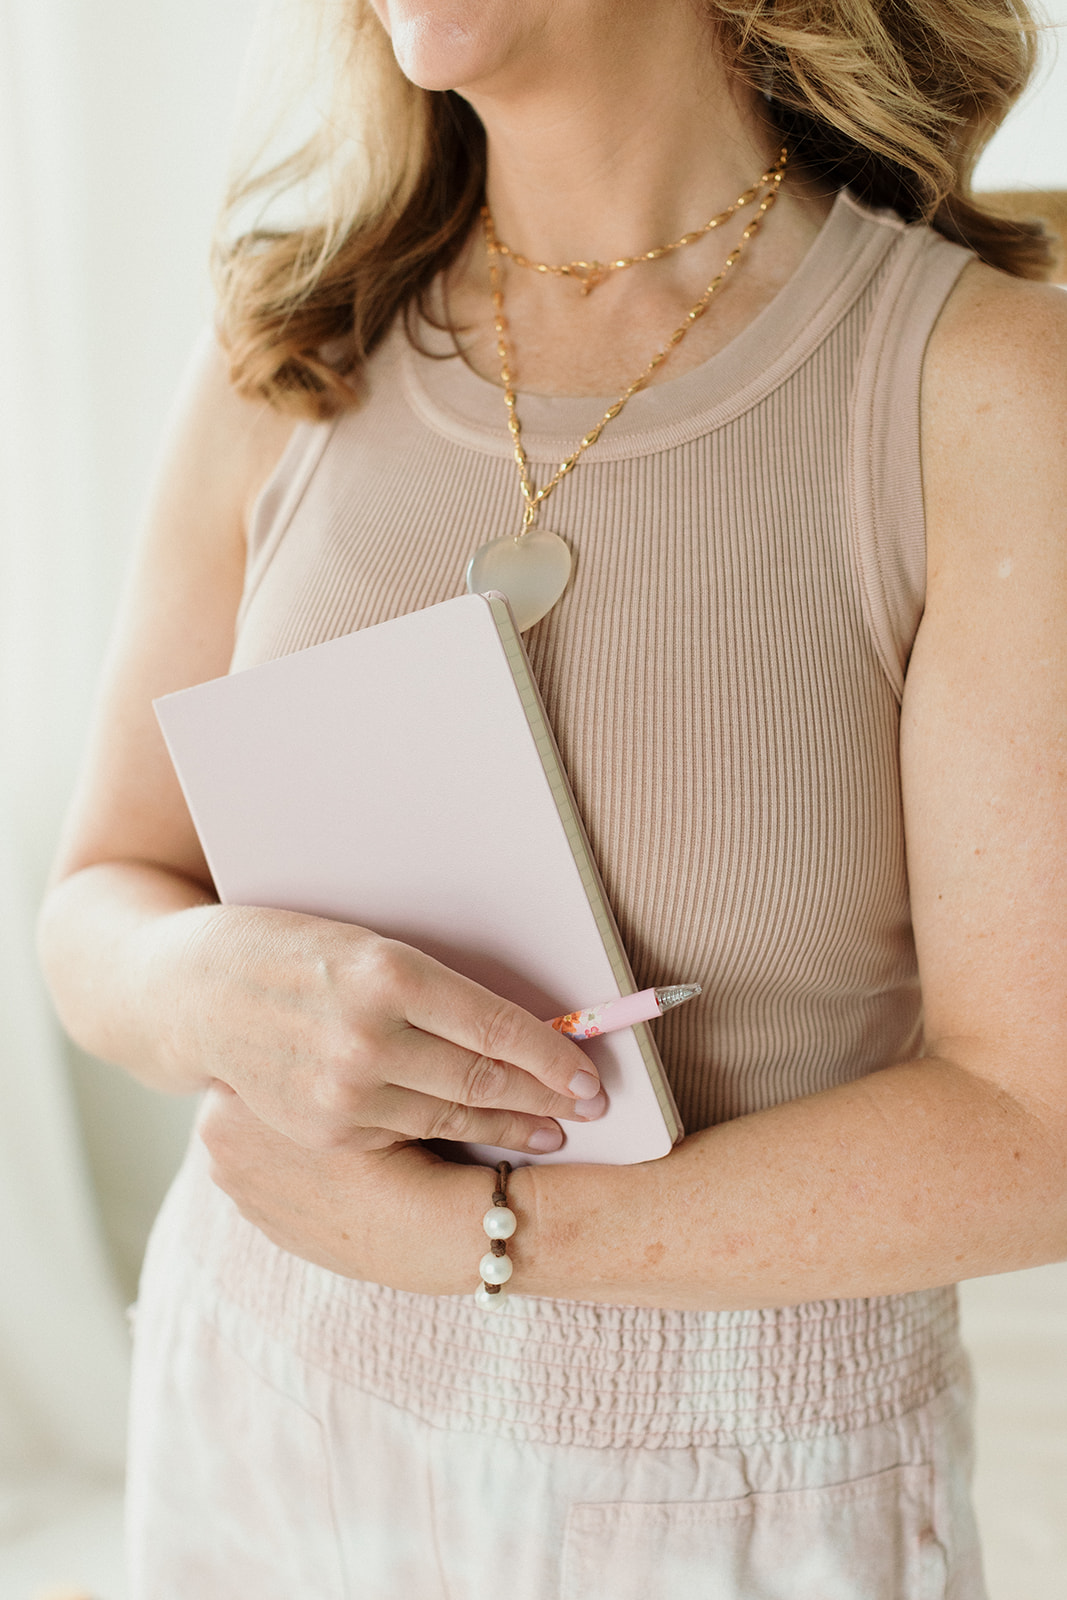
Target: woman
x: 790, y: 650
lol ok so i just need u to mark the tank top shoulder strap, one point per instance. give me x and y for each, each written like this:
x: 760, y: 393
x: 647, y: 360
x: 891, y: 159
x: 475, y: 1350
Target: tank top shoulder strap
x: 888, y: 523
x: 278, y: 500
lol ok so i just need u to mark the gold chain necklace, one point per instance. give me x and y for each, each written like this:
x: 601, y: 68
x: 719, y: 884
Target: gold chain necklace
x: 533, y: 566
x: 591, y: 273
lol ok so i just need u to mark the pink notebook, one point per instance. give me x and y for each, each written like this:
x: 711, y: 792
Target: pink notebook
x: 405, y: 778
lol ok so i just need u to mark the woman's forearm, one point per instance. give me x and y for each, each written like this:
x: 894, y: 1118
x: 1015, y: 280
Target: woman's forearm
x: 114, y: 939
x: 919, y: 1175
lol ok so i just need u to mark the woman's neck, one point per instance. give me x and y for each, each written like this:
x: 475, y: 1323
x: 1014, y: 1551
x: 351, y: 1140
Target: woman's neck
x: 605, y: 152
x: 614, y: 129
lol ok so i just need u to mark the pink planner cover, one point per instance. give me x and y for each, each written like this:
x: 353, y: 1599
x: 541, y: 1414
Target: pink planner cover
x: 404, y: 778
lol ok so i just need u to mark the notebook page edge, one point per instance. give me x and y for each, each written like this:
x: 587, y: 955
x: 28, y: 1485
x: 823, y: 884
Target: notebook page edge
x: 559, y: 784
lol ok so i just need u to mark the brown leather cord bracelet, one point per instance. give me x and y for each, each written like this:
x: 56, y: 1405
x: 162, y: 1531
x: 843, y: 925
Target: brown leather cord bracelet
x: 499, y: 1223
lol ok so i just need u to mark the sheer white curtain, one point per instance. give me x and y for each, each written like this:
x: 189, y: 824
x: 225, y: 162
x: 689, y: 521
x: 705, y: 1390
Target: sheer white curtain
x: 114, y: 120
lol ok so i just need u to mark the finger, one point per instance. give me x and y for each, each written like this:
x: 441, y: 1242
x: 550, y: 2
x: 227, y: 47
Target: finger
x: 422, y: 1081
x: 217, y: 1089
x: 225, y: 1127
x: 221, y: 1110
x: 446, y: 1004
x: 429, y: 1065
x: 422, y: 1116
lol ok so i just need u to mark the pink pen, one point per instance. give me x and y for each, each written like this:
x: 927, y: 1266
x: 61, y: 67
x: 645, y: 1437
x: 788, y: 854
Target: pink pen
x: 624, y: 1012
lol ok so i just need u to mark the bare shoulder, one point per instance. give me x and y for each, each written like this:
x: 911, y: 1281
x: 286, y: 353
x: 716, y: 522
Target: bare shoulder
x: 1001, y: 325
x: 176, y: 624
x: 984, y: 722
x: 994, y: 417
x: 227, y: 444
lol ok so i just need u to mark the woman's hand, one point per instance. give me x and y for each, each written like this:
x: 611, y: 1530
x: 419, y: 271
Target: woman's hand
x: 397, y: 1215
x: 336, y: 1037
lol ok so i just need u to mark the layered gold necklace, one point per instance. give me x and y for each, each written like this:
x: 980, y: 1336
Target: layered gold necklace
x: 533, y: 565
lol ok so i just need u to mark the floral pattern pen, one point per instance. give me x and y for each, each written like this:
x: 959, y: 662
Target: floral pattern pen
x: 625, y: 1012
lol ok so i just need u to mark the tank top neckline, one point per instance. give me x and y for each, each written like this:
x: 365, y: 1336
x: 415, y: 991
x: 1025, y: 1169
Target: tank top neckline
x: 457, y: 403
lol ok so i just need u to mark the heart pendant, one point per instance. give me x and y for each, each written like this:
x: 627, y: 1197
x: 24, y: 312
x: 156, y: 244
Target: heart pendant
x: 532, y: 570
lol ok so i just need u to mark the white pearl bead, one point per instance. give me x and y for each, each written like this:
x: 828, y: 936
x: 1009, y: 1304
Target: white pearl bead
x: 495, y: 1269
x: 487, y: 1301
x: 500, y: 1222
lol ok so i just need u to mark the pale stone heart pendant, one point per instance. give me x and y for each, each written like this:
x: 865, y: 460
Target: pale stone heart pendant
x: 532, y: 570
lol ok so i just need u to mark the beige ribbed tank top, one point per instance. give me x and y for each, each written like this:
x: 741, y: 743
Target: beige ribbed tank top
x: 724, y: 677
x: 724, y: 672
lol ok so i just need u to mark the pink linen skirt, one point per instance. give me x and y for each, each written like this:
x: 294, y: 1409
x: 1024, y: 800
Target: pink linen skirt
x: 299, y: 1437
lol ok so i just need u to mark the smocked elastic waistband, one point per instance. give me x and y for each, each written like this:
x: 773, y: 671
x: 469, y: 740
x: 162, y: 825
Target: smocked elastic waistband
x: 561, y: 1372
x: 565, y: 1373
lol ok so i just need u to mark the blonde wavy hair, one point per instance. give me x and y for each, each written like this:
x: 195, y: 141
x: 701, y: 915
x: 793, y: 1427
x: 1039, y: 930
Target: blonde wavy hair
x: 894, y: 98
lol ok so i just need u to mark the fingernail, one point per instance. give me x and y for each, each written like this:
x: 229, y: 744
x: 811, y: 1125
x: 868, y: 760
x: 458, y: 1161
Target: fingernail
x: 584, y: 1085
x: 589, y: 1110
x: 544, y: 1140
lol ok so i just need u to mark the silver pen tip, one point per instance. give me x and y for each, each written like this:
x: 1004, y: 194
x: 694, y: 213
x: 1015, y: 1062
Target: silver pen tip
x: 675, y: 994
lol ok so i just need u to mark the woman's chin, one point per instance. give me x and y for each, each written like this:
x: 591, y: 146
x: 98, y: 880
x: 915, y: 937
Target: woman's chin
x: 447, y: 48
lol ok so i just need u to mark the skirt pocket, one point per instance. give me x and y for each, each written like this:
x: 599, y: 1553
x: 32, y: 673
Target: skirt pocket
x: 870, y: 1539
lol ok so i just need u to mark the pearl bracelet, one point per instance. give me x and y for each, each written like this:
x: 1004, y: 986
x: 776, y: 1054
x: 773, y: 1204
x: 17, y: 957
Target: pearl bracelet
x: 499, y: 1223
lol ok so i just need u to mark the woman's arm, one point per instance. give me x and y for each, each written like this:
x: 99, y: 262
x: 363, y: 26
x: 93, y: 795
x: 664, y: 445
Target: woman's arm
x: 327, y: 1031
x: 955, y: 1165
x: 938, y: 1169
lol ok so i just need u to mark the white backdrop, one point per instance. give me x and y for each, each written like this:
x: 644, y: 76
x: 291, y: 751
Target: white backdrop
x: 114, y: 119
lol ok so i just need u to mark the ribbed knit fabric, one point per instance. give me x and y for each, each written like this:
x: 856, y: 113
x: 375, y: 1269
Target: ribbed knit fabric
x: 723, y: 676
